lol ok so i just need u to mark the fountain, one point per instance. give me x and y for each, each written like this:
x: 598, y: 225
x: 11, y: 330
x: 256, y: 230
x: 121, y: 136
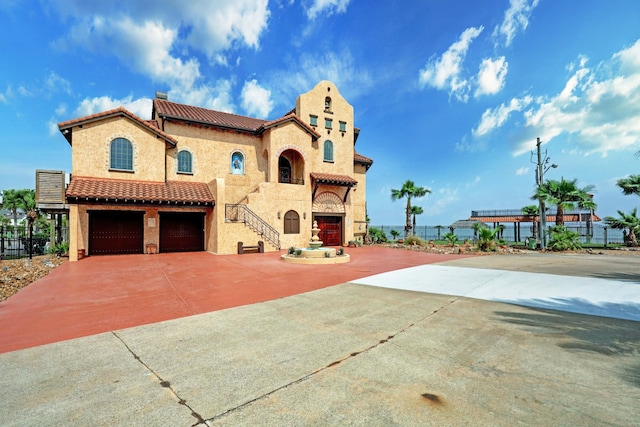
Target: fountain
x: 315, y: 253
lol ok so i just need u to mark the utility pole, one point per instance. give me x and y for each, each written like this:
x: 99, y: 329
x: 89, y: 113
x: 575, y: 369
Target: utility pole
x: 540, y: 170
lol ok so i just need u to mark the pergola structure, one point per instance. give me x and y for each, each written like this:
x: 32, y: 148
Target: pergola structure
x: 516, y: 217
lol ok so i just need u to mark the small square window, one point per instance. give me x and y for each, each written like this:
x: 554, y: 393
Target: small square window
x: 343, y: 126
x: 328, y: 123
x: 313, y: 120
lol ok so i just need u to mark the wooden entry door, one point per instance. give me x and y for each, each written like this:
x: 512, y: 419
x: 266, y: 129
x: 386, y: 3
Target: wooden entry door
x: 330, y: 230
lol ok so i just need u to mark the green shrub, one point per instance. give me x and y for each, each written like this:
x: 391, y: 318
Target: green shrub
x: 562, y: 239
x: 59, y: 248
x: 414, y: 240
x: 292, y: 250
x: 377, y: 235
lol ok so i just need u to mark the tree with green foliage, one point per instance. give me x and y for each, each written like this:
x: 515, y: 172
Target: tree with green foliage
x: 415, y: 210
x: 630, y: 185
x: 626, y: 221
x: 487, y: 238
x: 451, y: 238
x: 12, y: 200
x: 565, y: 195
x: 532, y: 211
x: 394, y: 234
x: 408, y: 190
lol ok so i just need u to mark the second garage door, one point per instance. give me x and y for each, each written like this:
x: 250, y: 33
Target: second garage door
x: 181, y: 232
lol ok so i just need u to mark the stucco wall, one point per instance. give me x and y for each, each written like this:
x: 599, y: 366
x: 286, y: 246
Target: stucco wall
x: 90, y: 151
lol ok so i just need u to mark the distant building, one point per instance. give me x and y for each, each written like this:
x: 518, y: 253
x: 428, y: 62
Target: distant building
x: 194, y: 179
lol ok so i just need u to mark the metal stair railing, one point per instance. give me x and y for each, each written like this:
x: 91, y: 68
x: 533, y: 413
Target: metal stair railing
x: 242, y: 213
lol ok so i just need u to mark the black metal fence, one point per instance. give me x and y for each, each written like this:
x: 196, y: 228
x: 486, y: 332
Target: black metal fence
x: 16, y: 242
x: 598, y: 234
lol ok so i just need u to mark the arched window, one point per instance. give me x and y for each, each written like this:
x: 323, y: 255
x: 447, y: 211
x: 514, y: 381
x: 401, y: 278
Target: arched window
x: 184, y: 162
x: 291, y: 223
x: 328, y: 151
x: 121, y: 155
x: 237, y: 163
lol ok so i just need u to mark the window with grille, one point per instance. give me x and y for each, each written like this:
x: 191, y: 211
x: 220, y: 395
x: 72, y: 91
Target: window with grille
x: 121, y: 155
x: 184, y: 162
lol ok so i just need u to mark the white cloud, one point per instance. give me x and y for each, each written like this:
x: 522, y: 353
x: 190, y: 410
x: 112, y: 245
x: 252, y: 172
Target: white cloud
x: 302, y: 76
x: 522, y: 171
x: 216, y: 96
x: 516, y: 18
x: 599, y: 108
x: 61, y: 110
x: 491, y: 76
x: 441, y: 201
x: 445, y: 72
x: 147, y: 38
x: 140, y: 107
x: 314, y: 8
x: 256, y: 99
x: 52, y: 125
x: 495, y: 118
x: 55, y: 83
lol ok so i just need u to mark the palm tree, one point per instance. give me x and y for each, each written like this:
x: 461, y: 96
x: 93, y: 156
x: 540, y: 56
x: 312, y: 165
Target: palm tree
x: 11, y: 201
x: 626, y: 221
x: 565, y: 195
x: 630, y: 185
x: 408, y: 190
x: 532, y: 211
x: 415, y: 210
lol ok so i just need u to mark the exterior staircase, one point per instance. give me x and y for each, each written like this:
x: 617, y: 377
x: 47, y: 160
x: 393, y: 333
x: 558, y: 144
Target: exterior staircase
x: 241, y: 213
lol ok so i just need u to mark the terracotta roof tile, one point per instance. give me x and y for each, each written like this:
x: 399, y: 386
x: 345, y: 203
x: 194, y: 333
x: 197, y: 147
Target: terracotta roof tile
x: 177, y: 192
x: 66, y: 126
x: 168, y: 109
x: 328, y: 178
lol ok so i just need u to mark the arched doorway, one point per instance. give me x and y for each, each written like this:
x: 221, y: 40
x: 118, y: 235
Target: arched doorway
x: 291, y: 167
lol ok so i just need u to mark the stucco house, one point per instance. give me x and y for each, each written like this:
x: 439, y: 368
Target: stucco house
x: 194, y: 179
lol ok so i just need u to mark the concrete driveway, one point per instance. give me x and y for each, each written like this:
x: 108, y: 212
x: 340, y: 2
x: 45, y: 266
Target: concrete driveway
x: 351, y: 354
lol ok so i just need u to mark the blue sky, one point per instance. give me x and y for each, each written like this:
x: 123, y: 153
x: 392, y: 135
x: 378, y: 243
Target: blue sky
x: 451, y: 94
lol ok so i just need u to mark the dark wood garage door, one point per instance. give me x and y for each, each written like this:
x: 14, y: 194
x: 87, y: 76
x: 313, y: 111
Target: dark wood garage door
x: 116, y: 232
x: 181, y: 232
x: 330, y: 230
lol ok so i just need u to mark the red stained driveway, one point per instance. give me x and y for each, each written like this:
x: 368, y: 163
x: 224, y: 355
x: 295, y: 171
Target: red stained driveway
x: 105, y: 293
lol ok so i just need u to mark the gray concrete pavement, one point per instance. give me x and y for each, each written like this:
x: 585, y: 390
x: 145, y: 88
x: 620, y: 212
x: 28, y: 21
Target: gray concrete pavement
x: 346, y: 355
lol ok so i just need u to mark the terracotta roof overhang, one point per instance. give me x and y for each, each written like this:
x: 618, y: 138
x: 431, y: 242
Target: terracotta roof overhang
x: 573, y: 217
x: 291, y: 118
x: 363, y: 160
x: 331, y: 179
x: 116, y: 191
x: 67, y: 127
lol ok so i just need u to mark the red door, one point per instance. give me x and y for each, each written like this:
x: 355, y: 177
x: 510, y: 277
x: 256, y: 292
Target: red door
x: 330, y: 230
